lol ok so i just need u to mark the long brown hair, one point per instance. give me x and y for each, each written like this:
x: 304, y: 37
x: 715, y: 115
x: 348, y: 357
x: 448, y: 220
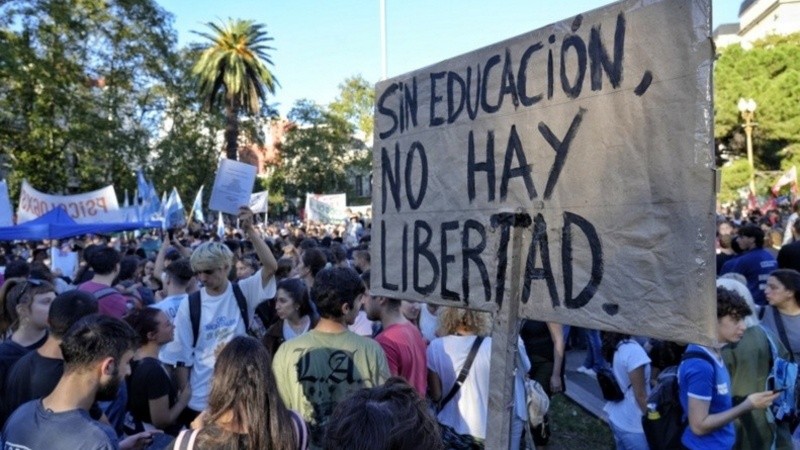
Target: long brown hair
x: 244, y: 389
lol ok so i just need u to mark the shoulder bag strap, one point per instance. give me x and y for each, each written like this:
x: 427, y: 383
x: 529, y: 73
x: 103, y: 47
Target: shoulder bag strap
x: 185, y: 440
x: 105, y: 292
x: 301, y: 431
x: 241, y: 302
x: 464, y: 371
x: 776, y: 316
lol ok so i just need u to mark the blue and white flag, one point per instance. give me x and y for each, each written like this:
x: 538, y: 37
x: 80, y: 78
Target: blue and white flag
x: 220, y: 226
x: 6, y: 213
x: 163, y: 201
x: 174, y: 214
x: 259, y: 202
x: 197, y: 207
x: 143, y: 186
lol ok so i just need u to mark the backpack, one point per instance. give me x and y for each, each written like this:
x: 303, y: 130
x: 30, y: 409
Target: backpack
x: 194, y: 311
x: 609, y: 385
x: 783, y: 376
x: 665, y: 421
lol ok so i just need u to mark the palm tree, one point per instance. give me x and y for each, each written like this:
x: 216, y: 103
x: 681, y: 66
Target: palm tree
x: 233, y: 70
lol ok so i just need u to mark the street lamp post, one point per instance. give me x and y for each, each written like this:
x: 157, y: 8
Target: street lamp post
x: 747, y: 107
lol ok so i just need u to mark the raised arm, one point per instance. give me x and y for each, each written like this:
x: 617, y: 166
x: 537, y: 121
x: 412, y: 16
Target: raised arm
x: 268, y: 263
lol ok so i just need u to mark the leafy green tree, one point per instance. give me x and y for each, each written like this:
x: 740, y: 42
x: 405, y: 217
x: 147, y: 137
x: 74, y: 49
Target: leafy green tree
x: 233, y: 71
x: 356, y: 103
x: 187, y: 153
x: 77, y: 89
x: 315, y: 152
x: 770, y: 74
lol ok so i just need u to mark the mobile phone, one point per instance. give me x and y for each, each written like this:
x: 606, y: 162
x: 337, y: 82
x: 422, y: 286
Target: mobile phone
x: 775, y: 391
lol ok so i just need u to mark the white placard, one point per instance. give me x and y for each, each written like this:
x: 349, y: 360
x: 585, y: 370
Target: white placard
x: 232, y: 186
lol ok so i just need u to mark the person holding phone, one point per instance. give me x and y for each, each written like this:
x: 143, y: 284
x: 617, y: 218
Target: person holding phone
x: 705, y: 389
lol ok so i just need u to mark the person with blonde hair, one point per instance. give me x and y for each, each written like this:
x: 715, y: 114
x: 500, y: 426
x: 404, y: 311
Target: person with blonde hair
x: 465, y: 408
x: 225, y: 309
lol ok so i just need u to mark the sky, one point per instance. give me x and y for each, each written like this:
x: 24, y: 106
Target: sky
x: 319, y: 43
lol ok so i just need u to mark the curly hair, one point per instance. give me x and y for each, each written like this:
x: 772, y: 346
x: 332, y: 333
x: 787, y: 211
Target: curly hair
x: 450, y: 319
x: 335, y: 287
x: 730, y: 303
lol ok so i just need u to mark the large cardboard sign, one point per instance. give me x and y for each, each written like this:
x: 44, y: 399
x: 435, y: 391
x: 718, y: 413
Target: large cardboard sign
x: 593, y: 138
x: 88, y: 207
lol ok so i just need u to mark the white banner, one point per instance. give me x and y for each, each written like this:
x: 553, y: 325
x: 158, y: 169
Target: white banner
x: 326, y: 208
x: 88, y: 207
x: 259, y: 202
x: 6, y: 214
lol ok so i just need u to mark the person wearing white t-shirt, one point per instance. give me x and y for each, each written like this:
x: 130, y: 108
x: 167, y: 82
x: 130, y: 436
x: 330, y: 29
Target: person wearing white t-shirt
x: 220, y: 318
x: 467, y: 411
x: 631, y: 367
x: 177, y: 277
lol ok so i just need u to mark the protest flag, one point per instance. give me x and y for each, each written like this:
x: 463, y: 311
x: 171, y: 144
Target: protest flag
x: 142, y: 186
x: 220, y: 226
x: 6, y: 214
x: 789, y: 177
x: 196, y: 214
x: 174, y: 214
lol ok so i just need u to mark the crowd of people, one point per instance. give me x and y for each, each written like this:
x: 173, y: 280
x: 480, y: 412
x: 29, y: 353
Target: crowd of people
x: 270, y: 338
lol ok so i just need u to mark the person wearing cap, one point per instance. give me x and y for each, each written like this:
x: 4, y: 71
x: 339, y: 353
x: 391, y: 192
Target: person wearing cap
x: 755, y: 263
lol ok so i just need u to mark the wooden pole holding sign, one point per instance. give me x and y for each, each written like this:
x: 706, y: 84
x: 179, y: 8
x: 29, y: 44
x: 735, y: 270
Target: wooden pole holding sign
x: 504, y: 350
x: 583, y: 151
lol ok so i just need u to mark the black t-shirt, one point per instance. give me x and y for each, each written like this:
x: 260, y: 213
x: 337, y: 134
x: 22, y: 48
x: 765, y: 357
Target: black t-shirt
x: 32, y: 377
x: 11, y: 352
x: 148, y: 381
x: 536, y: 337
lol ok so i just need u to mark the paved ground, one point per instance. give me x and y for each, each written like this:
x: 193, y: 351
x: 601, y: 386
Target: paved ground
x: 582, y: 388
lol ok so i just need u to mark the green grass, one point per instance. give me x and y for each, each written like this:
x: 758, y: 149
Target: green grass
x: 573, y: 428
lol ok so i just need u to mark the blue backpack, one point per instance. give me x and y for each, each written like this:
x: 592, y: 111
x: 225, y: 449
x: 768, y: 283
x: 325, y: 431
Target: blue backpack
x: 783, y: 376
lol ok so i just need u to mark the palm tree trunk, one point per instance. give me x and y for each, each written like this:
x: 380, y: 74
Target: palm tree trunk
x: 231, y: 131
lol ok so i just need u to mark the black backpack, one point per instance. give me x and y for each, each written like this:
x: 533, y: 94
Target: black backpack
x: 665, y: 421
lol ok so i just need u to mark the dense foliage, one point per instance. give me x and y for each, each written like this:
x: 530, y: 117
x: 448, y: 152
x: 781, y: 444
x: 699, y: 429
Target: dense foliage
x: 769, y: 73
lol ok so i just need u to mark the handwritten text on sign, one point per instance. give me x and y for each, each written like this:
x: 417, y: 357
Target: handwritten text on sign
x: 591, y: 135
